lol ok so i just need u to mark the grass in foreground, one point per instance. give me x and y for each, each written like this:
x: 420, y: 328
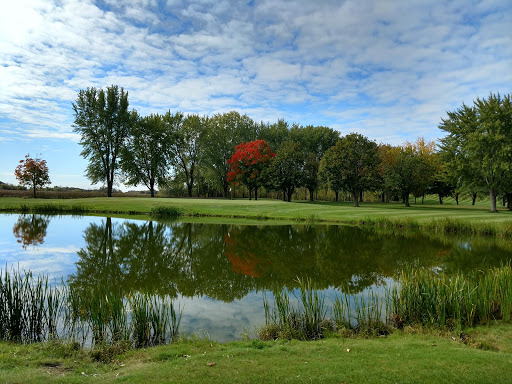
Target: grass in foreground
x: 483, y: 355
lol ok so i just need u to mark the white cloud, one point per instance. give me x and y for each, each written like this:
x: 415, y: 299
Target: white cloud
x: 361, y: 64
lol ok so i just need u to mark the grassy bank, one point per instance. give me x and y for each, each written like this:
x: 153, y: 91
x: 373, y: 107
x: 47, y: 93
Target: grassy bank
x: 482, y: 355
x: 446, y: 218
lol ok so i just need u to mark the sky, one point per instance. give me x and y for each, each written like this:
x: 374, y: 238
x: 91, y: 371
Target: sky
x: 386, y: 69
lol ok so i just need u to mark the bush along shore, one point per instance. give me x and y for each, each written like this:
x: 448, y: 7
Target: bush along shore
x: 33, y: 311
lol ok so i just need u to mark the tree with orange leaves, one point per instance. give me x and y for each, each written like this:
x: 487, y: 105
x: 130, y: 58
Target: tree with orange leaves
x: 32, y: 173
x: 248, y: 162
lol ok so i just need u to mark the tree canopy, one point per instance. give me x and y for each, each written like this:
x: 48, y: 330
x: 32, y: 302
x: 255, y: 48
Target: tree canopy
x: 103, y: 121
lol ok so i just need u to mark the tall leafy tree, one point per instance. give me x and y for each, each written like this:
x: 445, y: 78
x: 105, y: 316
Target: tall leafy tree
x: 143, y: 158
x: 248, y: 162
x: 310, y: 177
x: 478, y: 144
x: 404, y: 171
x: 286, y: 170
x: 358, y: 162
x: 184, y: 143
x: 103, y: 121
x: 223, y: 133
x: 314, y: 139
x: 331, y: 168
x: 32, y: 173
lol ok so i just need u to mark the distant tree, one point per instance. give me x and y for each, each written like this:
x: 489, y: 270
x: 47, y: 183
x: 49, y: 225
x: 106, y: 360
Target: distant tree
x: 184, y: 143
x: 274, y: 134
x: 143, y: 158
x: 429, y: 171
x: 32, y: 173
x: 331, y: 168
x: 478, y: 146
x: 404, y: 172
x: 314, y: 139
x: 103, y: 121
x: 248, y: 162
x: 310, y: 177
x: 358, y: 162
x: 286, y: 170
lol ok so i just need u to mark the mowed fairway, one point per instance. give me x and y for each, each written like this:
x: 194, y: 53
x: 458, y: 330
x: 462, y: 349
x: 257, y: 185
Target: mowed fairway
x: 275, y: 209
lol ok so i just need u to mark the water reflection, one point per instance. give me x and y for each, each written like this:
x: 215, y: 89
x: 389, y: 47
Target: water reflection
x: 226, y: 262
x: 30, y: 230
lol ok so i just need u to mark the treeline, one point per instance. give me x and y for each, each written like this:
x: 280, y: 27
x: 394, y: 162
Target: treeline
x: 209, y: 156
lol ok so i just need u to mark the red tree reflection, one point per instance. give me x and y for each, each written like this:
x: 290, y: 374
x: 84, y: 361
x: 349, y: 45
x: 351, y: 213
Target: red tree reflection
x: 31, y: 229
x: 243, y: 261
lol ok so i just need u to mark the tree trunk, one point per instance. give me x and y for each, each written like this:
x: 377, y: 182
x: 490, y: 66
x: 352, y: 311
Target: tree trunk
x: 311, y: 195
x: 361, y: 197
x: 509, y: 200
x: 225, y: 188
x: 474, y: 198
x: 34, y: 190
x: 503, y: 200
x: 290, y: 193
x: 457, y: 198
x: 336, y: 192
x: 422, y: 199
x: 440, y: 200
x: 406, y: 199
x: 109, y: 188
x: 256, y: 193
x: 284, y: 195
x: 356, y: 196
x: 492, y: 195
x: 383, y: 197
x: 152, y: 188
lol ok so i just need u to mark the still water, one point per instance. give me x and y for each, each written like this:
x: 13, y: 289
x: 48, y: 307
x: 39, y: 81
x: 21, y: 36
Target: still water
x: 219, y: 274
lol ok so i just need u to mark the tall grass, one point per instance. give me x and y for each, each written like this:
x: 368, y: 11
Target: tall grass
x: 454, y: 302
x: 31, y: 311
x: 419, y: 297
x: 442, y: 225
x: 305, y: 320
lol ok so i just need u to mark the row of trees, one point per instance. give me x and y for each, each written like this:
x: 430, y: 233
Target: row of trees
x: 211, y: 153
x: 173, y: 149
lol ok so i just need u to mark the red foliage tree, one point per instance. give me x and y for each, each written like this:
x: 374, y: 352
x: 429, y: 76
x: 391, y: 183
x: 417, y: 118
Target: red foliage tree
x: 32, y: 173
x: 247, y: 163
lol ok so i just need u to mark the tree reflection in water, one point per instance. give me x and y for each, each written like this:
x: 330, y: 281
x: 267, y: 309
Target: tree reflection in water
x: 226, y: 262
x: 31, y: 229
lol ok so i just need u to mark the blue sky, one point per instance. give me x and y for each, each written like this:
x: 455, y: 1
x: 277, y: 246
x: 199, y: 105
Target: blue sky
x: 387, y: 69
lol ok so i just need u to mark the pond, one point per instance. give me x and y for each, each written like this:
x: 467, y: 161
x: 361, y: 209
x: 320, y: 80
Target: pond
x: 219, y: 273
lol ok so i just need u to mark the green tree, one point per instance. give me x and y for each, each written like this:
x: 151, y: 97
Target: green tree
x: 103, y: 121
x: 331, y: 168
x: 404, y: 171
x: 479, y: 143
x: 143, y: 159
x: 32, y: 173
x: 286, y: 170
x: 184, y: 143
x: 310, y: 177
x: 358, y: 162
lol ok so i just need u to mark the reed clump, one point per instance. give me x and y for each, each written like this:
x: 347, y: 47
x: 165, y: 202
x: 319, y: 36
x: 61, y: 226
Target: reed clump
x: 453, y: 302
x: 420, y: 297
x: 165, y: 212
x: 303, y: 319
x: 31, y: 310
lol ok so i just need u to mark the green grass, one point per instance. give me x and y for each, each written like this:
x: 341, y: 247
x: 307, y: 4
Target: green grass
x: 266, y: 209
x: 482, y: 355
